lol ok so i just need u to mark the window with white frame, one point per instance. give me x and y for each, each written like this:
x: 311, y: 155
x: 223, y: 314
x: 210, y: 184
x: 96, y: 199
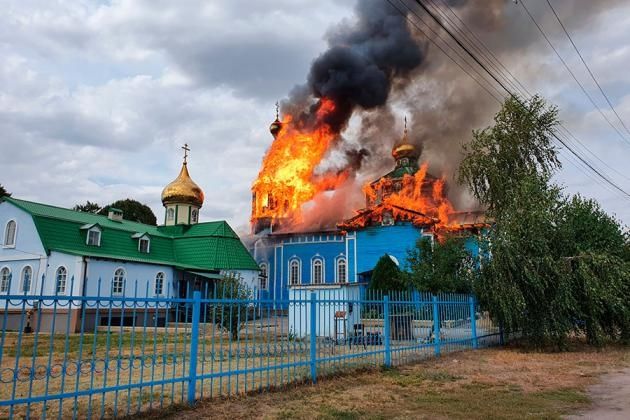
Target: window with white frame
x: 94, y: 237
x: 341, y: 270
x: 143, y: 245
x: 5, y: 279
x: 318, y: 271
x: 194, y: 216
x: 170, y: 214
x: 27, y: 279
x: 118, y: 283
x: 9, y: 233
x: 294, y: 272
x: 262, y: 276
x: 159, y: 284
x: 61, y: 280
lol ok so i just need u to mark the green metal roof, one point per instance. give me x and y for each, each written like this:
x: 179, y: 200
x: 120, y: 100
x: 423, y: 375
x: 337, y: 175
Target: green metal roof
x: 204, y: 246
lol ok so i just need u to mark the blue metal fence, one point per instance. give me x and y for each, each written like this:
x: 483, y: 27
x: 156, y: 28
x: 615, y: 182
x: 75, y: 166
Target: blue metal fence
x: 108, y: 356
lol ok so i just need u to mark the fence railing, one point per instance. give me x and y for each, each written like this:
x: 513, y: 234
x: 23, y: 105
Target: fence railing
x: 104, y: 356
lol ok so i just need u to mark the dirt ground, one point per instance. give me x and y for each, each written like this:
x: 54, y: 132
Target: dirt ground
x: 610, y: 398
x: 489, y: 383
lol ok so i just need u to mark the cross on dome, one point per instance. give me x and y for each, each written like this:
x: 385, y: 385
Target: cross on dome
x: 186, y: 150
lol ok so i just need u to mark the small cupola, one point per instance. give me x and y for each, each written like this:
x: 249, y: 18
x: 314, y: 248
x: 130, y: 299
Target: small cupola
x: 405, y: 153
x: 182, y: 198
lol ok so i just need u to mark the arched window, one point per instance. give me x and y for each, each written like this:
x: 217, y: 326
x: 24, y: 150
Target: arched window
x: 118, y: 283
x: 9, y: 233
x: 317, y: 272
x: 27, y: 277
x: 62, y: 279
x: 170, y: 214
x: 5, y: 278
x: 159, y: 284
x: 194, y: 216
x: 294, y: 272
x: 262, y: 276
x: 341, y: 270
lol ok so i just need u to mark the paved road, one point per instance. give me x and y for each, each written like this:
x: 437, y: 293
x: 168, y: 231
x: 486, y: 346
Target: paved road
x: 611, y: 398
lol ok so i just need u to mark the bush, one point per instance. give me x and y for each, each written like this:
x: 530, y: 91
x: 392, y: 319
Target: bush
x: 386, y: 276
x: 231, y: 316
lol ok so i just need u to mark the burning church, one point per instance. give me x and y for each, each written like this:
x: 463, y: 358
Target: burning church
x: 309, y: 231
x: 400, y: 207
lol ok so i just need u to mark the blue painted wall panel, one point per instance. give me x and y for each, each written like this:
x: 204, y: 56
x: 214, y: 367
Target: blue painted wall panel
x: 374, y: 242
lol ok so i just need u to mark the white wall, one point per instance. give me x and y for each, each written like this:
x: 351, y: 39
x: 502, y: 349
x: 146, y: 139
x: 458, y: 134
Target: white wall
x: 300, y: 310
x: 247, y: 277
x: 137, y: 275
x: 28, y: 250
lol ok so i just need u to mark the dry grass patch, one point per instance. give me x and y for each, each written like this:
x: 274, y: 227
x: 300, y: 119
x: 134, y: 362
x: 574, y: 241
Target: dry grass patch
x: 490, y: 383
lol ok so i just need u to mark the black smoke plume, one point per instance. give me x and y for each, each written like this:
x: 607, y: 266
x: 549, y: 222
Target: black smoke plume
x: 362, y: 63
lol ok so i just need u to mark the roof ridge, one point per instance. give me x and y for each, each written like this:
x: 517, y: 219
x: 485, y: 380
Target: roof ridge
x: 18, y: 201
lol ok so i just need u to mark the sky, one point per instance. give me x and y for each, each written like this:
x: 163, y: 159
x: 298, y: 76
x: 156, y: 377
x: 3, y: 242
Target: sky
x: 97, y: 97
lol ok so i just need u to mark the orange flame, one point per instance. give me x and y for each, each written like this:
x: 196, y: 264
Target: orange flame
x: 422, y: 198
x: 287, y: 178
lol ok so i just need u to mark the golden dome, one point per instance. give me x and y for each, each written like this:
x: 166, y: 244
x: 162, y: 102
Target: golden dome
x: 404, y: 148
x: 182, y: 190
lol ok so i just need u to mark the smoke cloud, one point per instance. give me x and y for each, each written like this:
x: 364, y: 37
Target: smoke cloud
x: 379, y: 67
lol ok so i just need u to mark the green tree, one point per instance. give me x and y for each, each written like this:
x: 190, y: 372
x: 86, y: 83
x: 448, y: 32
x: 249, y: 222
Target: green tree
x: 598, y: 269
x: 4, y: 192
x: 516, y: 148
x: 88, y: 207
x: 440, y: 266
x: 386, y: 276
x: 133, y: 210
x: 231, y: 316
x: 546, y: 275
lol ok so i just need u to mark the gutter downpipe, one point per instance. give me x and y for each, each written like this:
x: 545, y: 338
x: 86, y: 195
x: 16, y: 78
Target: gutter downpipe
x: 84, y: 262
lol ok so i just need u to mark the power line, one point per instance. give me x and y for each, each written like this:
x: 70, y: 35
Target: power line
x: 462, y: 46
x: 587, y: 67
x: 484, y: 67
x: 520, y: 88
x: 488, y: 53
x: 498, y: 99
x: 590, y: 98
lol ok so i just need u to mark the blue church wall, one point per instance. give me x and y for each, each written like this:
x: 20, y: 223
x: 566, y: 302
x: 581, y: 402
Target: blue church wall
x: 373, y: 242
x: 362, y: 250
x: 278, y: 253
x: 305, y: 253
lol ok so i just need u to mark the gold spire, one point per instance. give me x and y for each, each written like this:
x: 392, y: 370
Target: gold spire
x: 404, y: 148
x: 183, y: 189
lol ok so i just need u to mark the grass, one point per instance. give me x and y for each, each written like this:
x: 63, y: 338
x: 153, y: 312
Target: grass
x: 491, y: 383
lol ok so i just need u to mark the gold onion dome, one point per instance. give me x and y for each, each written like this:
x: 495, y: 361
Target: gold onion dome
x: 275, y: 127
x: 183, y: 190
x: 404, y: 148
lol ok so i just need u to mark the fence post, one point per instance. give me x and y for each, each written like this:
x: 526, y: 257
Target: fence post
x: 194, y: 345
x: 436, y: 325
x: 313, y: 336
x: 501, y: 336
x: 386, y: 332
x: 473, y: 322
